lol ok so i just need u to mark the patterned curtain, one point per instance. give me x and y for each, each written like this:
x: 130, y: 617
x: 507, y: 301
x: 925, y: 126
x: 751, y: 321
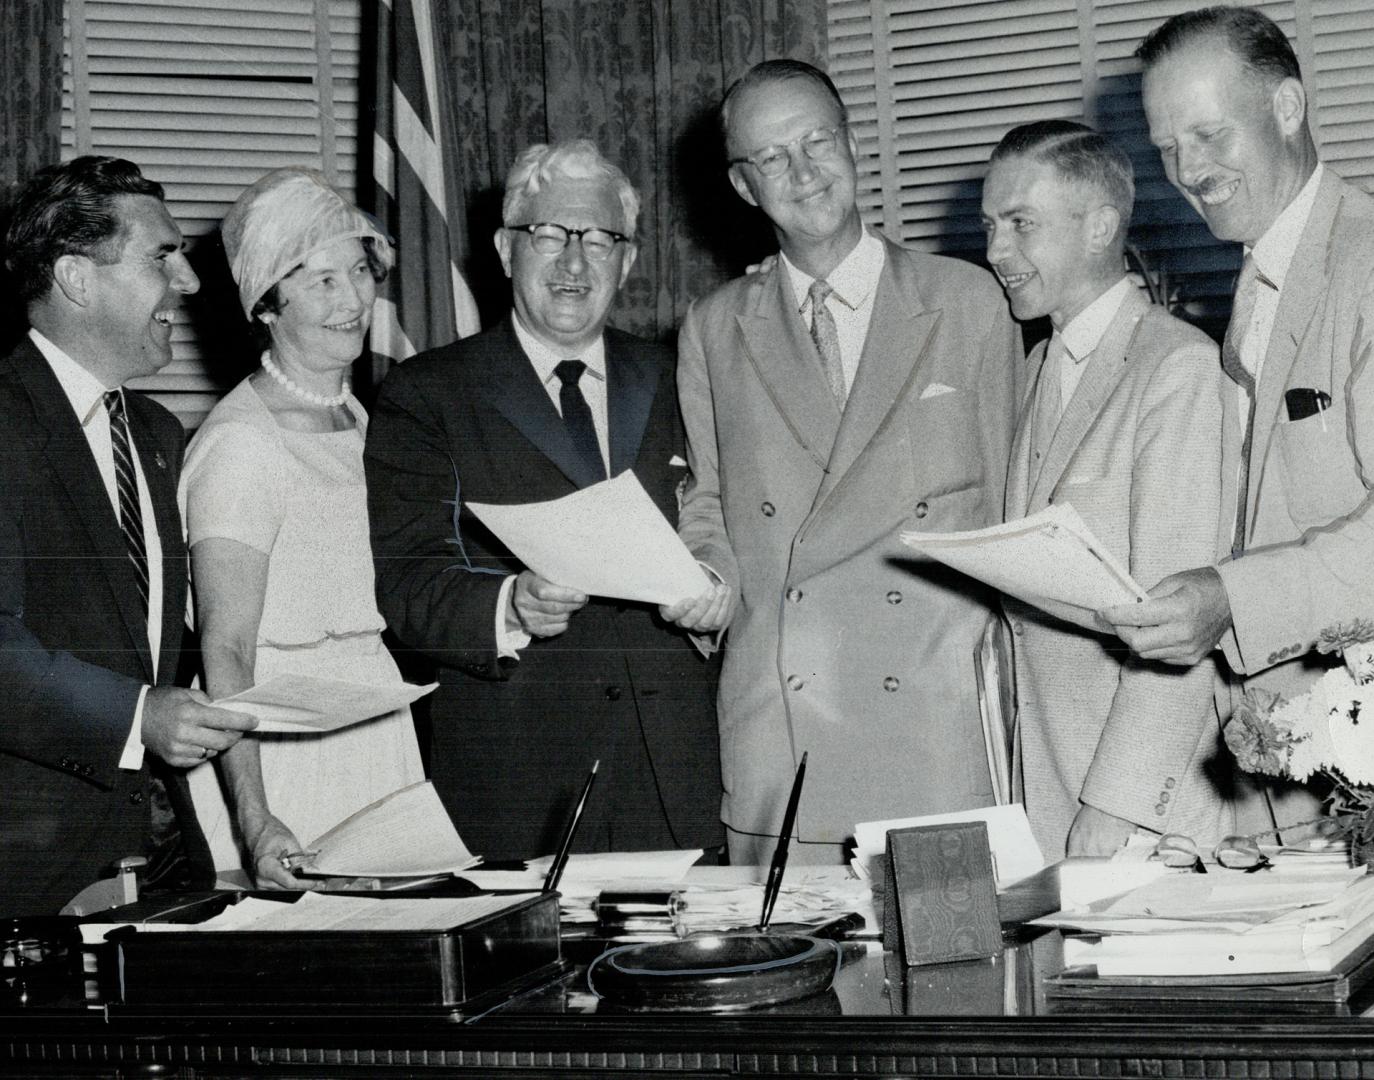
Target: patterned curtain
x: 642, y: 78
x: 30, y: 106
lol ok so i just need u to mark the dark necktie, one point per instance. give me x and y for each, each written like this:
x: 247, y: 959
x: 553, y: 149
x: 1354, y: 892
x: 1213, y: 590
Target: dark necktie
x: 577, y: 415
x: 1242, y: 308
x: 827, y: 340
x: 126, y: 482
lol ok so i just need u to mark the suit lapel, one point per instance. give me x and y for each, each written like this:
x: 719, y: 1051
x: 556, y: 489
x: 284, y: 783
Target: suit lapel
x: 74, y: 465
x: 1106, y: 366
x: 514, y: 390
x: 1304, y: 286
x: 631, y: 382
x: 894, y: 348
x: 787, y: 365
x: 1019, y: 471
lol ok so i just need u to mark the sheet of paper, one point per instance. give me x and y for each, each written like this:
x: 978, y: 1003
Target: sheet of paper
x: 606, y: 540
x: 296, y: 704
x: 1050, y: 560
x: 1015, y: 854
x: 405, y: 834
x: 587, y: 874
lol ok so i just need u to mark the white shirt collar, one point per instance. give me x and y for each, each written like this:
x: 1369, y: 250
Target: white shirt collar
x: 545, y: 359
x: 1274, y: 251
x: 1084, y: 331
x: 854, y: 280
x: 83, y: 390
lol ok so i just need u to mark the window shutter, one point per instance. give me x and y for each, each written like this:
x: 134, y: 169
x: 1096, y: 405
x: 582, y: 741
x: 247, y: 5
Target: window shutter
x: 932, y: 85
x: 206, y: 96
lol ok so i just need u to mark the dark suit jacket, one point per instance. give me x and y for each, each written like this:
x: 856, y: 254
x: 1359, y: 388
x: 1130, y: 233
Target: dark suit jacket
x: 512, y: 741
x: 73, y: 647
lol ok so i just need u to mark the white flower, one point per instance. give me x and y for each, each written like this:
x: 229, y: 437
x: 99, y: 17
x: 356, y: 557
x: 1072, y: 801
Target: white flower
x: 1359, y: 661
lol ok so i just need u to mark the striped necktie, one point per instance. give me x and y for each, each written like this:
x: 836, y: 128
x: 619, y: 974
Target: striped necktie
x: 126, y: 481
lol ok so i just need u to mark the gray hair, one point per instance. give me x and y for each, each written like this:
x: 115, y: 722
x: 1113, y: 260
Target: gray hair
x: 572, y: 159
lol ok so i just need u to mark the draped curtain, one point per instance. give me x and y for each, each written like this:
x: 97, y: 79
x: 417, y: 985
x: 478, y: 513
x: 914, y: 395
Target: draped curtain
x: 642, y: 78
x: 30, y: 105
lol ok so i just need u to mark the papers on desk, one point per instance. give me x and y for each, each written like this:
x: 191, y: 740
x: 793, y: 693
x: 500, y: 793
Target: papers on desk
x: 605, y: 540
x: 729, y: 897
x: 405, y: 834
x: 586, y: 875
x: 1225, y: 923
x: 1050, y: 560
x: 1015, y: 854
x: 298, y: 704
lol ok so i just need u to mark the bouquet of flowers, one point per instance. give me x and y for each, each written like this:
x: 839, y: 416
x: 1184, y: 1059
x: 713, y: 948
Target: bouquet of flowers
x: 1328, y: 731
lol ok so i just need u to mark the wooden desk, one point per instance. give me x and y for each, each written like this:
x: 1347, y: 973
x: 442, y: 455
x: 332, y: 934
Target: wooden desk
x: 982, y: 1020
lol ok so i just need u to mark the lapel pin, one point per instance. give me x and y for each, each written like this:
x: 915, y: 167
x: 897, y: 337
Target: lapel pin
x: 161, y: 461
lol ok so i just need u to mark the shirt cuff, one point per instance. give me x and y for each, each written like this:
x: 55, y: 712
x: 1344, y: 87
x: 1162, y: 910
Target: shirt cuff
x: 508, y: 642
x: 132, y: 757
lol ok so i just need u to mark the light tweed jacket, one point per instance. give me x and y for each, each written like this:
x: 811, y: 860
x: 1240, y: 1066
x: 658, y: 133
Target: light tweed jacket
x: 1137, y: 454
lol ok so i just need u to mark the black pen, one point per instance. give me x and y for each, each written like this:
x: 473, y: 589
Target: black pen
x: 779, y: 865
x: 560, y: 861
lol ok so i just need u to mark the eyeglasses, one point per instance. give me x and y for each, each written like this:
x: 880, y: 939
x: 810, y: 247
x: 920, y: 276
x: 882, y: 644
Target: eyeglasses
x: 549, y: 238
x: 774, y: 160
x: 1232, y: 852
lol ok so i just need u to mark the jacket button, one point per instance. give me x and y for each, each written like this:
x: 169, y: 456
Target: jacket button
x: 88, y: 770
x: 768, y: 509
x: 1159, y: 809
x: 795, y: 682
x: 894, y: 597
x: 1273, y: 658
x: 794, y: 595
x: 480, y: 669
x: 135, y: 797
x: 1163, y: 796
x: 1169, y: 783
x: 922, y: 509
x: 613, y: 693
x: 65, y: 763
x: 1018, y: 628
x: 891, y: 683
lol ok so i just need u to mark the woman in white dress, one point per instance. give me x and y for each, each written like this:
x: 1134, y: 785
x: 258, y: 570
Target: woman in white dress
x: 275, y: 506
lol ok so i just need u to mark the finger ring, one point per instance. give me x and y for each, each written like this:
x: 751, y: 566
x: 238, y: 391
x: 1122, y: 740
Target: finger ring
x: 204, y: 752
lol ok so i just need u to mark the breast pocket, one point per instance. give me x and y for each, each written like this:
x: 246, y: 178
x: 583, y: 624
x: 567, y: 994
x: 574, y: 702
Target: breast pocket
x: 1320, y: 478
x: 946, y: 452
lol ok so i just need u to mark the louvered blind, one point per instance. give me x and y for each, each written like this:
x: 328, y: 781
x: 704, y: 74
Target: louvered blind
x: 206, y: 96
x: 932, y: 85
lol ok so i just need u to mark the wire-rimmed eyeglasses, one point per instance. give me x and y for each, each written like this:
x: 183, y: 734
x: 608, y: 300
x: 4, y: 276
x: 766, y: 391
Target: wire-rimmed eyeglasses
x: 1232, y: 852
x: 817, y: 145
x: 549, y: 238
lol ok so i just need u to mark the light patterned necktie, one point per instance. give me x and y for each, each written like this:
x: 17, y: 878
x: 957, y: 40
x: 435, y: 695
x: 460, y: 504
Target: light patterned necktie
x: 1242, y: 308
x: 827, y: 340
x: 126, y: 484
x: 1045, y: 420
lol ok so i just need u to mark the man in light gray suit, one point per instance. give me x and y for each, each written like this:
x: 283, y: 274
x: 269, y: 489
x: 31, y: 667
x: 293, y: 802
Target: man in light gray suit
x: 1120, y: 422
x: 1226, y: 107
x: 851, y: 390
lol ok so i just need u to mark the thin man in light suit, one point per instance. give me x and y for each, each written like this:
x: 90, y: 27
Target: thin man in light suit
x: 850, y: 391
x: 1226, y: 107
x: 1121, y: 424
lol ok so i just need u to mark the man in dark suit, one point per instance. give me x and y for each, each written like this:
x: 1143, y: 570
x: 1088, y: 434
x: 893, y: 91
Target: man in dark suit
x: 92, y: 564
x: 538, y: 680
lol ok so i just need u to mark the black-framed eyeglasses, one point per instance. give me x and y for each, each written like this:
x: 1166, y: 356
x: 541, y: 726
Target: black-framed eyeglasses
x: 549, y: 238
x: 817, y: 145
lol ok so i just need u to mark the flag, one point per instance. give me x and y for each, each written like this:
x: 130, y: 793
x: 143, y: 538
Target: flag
x: 424, y: 302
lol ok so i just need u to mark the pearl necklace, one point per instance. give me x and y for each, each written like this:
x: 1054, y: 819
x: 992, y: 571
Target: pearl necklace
x: 292, y: 387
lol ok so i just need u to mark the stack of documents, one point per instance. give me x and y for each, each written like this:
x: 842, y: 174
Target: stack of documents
x: 1226, y: 922
x: 1015, y: 854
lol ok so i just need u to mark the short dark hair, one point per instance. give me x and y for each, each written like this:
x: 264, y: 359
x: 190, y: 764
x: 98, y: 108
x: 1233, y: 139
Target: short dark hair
x: 1252, y: 36
x: 68, y: 209
x: 777, y: 71
x: 1080, y: 155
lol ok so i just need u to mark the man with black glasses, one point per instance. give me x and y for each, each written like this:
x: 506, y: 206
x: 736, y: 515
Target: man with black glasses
x: 852, y: 390
x: 538, y: 680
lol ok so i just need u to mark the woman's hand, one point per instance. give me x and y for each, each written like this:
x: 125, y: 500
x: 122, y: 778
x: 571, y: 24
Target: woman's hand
x: 271, y: 842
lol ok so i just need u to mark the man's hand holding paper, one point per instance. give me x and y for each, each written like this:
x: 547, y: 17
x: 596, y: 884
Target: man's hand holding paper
x: 1181, y: 622
x: 608, y: 539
